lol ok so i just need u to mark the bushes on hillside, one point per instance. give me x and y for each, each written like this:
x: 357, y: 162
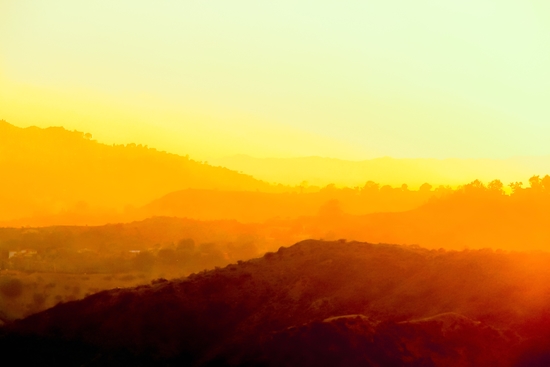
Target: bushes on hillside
x: 11, y: 287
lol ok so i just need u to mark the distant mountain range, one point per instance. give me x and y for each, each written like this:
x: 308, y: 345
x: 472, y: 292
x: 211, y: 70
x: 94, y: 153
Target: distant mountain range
x: 57, y: 177
x: 321, y: 171
x: 247, y: 206
x: 315, y: 303
x: 53, y: 170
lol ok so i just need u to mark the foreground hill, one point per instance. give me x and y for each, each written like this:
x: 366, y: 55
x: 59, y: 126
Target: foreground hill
x: 52, y: 170
x: 39, y: 267
x: 315, y: 303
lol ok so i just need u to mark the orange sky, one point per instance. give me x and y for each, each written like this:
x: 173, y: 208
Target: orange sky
x: 286, y: 79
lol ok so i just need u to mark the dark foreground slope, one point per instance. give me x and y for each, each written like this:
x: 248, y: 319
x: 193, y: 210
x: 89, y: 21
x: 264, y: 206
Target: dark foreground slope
x: 315, y: 303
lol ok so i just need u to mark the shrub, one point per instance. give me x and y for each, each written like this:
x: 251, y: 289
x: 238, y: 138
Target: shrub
x: 39, y: 299
x: 11, y: 288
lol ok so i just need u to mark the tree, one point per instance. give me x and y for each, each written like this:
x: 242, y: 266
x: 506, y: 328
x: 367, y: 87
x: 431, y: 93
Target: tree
x: 425, y: 187
x: 371, y: 186
x: 475, y: 185
x: 545, y: 182
x: 516, y: 187
x: 535, y: 183
x: 496, y: 186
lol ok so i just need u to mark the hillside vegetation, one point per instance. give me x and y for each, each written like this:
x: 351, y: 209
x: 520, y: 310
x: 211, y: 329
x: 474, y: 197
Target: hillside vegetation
x: 40, y: 267
x: 346, y: 301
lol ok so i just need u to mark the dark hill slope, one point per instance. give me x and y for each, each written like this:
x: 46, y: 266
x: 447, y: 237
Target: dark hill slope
x: 47, y: 171
x: 354, y: 340
x: 229, y: 315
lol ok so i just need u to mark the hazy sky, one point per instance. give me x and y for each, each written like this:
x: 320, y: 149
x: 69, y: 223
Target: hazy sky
x: 347, y: 79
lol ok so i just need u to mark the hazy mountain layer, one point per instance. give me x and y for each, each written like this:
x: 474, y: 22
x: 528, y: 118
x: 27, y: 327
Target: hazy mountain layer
x: 321, y: 171
x: 473, y: 216
x: 50, y: 171
x: 247, y: 206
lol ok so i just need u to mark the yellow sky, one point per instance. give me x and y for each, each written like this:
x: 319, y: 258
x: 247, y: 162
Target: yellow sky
x: 346, y: 79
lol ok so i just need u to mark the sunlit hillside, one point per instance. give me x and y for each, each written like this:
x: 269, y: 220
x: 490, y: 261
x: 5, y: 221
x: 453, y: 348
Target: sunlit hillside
x: 53, y: 170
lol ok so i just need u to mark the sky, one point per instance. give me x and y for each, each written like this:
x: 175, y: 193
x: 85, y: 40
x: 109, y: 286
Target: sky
x: 343, y: 79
